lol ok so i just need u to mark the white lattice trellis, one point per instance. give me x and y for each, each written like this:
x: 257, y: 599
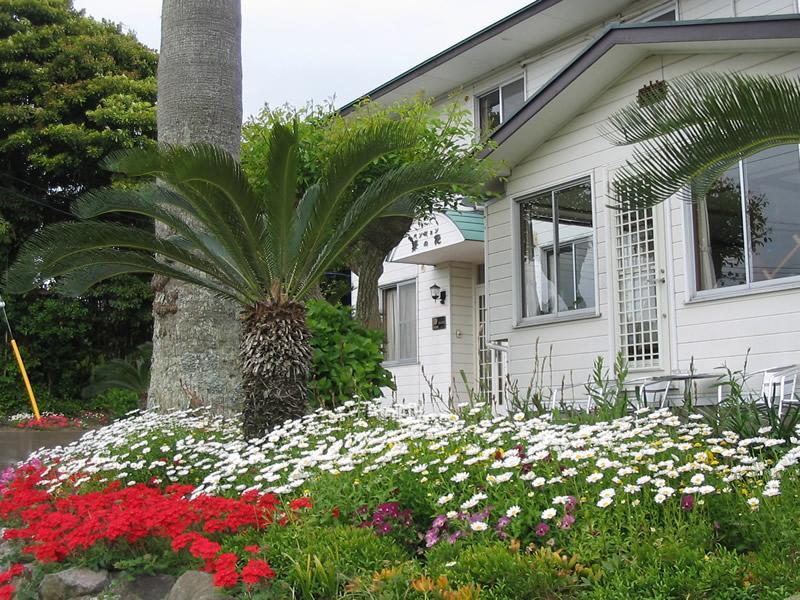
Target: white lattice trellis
x: 637, y: 288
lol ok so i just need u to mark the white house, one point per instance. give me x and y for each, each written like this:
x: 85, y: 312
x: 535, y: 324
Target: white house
x: 558, y: 273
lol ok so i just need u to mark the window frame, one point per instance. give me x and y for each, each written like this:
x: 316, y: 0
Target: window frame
x: 396, y: 285
x: 497, y: 88
x: 519, y: 320
x: 695, y: 295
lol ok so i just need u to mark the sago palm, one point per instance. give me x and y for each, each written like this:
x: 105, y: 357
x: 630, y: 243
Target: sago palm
x: 703, y: 125
x: 266, y: 251
x: 118, y: 374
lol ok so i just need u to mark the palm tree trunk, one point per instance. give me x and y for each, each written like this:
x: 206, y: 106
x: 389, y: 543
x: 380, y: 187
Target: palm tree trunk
x: 196, y: 336
x: 276, y: 363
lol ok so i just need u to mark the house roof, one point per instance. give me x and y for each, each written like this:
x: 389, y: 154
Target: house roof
x: 469, y: 223
x: 617, y: 49
x: 536, y: 25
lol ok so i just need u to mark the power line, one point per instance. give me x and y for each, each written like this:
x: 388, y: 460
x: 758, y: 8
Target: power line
x: 22, y: 196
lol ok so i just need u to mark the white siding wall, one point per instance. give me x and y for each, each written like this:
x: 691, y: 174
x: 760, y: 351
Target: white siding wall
x: 718, y: 9
x: 709, y: 331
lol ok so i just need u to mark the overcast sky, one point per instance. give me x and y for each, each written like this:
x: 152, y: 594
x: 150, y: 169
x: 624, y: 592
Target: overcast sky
x: 299, y: 50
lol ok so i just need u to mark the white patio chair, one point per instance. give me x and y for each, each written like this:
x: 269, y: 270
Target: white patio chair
x: 778, y: 387
x: 653, y: 392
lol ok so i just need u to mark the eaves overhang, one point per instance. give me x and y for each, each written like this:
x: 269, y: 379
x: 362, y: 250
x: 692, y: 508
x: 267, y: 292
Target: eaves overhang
x: 616, y: 50
x: 536, y: 25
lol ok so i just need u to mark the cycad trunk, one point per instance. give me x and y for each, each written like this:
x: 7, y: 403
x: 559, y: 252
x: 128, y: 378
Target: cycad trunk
x: 276, y: 363
x: 196, y: 335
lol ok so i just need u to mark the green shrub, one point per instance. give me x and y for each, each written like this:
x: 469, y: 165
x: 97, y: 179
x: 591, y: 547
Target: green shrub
x: 347, y: 357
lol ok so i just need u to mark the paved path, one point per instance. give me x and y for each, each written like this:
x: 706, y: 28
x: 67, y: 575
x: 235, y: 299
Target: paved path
x: 17, y: 444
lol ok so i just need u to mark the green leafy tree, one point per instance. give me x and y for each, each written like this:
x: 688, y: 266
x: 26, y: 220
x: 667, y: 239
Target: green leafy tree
x: 446, y: 132
x: 701, y: 127
x: 266, y: 250
x: 72, y: 90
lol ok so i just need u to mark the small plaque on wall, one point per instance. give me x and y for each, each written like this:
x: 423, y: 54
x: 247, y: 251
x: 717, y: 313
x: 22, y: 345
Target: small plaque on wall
x: 439, y: 323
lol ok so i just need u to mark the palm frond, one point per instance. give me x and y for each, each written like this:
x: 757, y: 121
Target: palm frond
x: 280, y: 196
x: 64, y: 247
x: 324, y: 205
x: 705, y: 124
x: 393, y: 189
x: 216, y: 187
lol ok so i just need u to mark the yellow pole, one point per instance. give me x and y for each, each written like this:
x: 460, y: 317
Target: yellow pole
x: 25, y: 379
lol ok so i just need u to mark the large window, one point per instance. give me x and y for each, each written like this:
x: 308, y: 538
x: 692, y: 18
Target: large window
x: 557, y: 245
x: 400, y: 322
x: 500, y: 104
x: 747, y: 227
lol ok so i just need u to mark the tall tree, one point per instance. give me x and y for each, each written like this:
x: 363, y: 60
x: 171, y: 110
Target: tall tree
x: 196, y: 334
x: 264, y: 251
x: 445, y: 133
x: 71, y: 91
x: 693, y: 129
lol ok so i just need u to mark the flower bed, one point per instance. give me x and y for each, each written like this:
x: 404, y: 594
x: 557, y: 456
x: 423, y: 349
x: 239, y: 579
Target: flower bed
x: 348, y: 504
x: 48, y: 421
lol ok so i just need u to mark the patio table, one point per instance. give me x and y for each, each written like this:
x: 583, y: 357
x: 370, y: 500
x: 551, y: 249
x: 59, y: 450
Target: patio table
x: 686, y: 379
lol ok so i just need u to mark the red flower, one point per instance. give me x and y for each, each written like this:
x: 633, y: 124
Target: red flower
x: 256, y: 570
x: 7, y: 592
x: 336, y: 513
x: 253, y: 549
x: 224, y: 568
x: 299, y: 503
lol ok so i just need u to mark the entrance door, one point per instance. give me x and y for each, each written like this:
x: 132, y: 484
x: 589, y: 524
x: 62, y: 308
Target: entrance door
x: 641, y: 301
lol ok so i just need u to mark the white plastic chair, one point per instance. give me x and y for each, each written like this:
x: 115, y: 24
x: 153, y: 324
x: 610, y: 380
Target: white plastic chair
x: 654, y: 393
x: 778, y: 386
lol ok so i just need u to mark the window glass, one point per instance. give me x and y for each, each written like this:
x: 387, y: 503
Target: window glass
x: 558, y: 273
x: 389, y: 322
x: 575, y: 273
x: 513, y: 96
x: 407, y: 323
x: 750, y: 233
x: 719, y: 231
x: 400, y: 322
x: 667, y: 16
x: 499, y: 105
x: 489, y: 107
x: 773, y: 207
x: 538, y: 276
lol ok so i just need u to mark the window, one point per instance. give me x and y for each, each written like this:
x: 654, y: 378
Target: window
x: 669, y: 15
x: 500, y: 104
x: 747, y: 227
x: 400, y: 322
x: 557, y: 245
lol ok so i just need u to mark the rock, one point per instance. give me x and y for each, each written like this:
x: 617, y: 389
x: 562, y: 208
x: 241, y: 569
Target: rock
x: 6, y: 551
x: 145, y: 587
x: 72, y: 583
x: 195, y: 585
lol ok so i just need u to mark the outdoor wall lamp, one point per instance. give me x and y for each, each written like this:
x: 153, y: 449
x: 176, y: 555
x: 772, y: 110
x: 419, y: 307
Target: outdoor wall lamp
x: 438, y: 293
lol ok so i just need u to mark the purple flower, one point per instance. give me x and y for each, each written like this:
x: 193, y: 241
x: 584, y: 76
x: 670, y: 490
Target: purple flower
x: 687, y: 502
x: 431, y: 538
x: 439, y: 522
x: 451, y: 539
x: 382, y: 528
x: 502, y: 523
x: 542, y: 529
x: 566, y: 521
x: 571, y: 503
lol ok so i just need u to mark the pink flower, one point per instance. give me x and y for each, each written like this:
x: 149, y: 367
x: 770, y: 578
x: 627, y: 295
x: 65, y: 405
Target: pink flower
x: 542, y: 529
x: 566, y: 522
x: 687, y: 502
